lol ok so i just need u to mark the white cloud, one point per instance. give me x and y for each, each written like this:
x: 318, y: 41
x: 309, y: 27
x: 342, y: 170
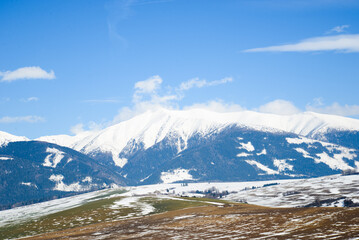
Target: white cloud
x: 149, y: 85
x: 335, y: 109
x: 198, y: 83
x: 26, y: 73
x: 338, y: 29
x: 343, y: 43
x: 283, y: 107
x: 217, y: 106
x: 195, y: 82
x: 28, y: 119
x: 126, y: 113
x: 146, y: 88
x: 146, y: 96
x: 78, y: 128
x: 30, y: 99
x: 279, y: 106
x: 317, y: 102
x: 89, y: 127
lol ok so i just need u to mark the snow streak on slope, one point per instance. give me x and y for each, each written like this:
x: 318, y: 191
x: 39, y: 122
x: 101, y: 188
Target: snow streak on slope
x: 73, y: 187
x: 5, y: 138
x: 282, y: 164
x: 337, y: 162
x: 149, y: 128
x: 262, y: 167
x: 55, y: 156
x: 176, y: 175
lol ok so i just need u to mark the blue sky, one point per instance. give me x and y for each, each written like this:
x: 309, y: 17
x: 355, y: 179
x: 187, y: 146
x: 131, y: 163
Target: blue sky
x: 68, y: 65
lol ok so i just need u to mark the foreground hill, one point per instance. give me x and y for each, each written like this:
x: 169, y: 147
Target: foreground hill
x: 105, y: 208
x: 158, y: 212
x: 34, y: 171
x: 229, y: 221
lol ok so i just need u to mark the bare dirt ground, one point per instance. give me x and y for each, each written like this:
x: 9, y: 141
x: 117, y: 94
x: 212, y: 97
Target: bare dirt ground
x: 230, y: 221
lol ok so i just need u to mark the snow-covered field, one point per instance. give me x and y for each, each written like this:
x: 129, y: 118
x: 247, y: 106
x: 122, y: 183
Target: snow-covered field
x: 302, y: 192
x: 38, y: 210
x: 279, y: 193
x: 275, y: 193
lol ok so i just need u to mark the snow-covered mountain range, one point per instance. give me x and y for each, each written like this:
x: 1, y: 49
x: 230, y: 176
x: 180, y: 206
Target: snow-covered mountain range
x: 154, y: 139
x: 153, y: 126
x: 199, y: 145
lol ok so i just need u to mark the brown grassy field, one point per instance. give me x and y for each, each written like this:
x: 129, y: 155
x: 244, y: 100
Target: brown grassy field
x: 229, y: 221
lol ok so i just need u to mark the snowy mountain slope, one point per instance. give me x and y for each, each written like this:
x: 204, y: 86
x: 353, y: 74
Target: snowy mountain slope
x: 5, y: 138
x: 229, y: 153
x: 161, y: 145
x: 33, y: 171
x: 153, y: 126
x: 238, y: 154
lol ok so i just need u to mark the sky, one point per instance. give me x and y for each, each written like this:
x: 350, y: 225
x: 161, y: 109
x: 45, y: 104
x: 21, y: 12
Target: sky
x: 68, y: 66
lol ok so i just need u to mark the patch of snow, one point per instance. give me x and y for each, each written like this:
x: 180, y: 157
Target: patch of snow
x: 243, y: 154
x: 133, y: 202
x: 73, y: 187
x: 300, y: 140
x: 262, y: 167
x: 302, y: 151
x: 144, y: 179
x: 263, y: 152
x: 56, y: 178
x: 183, y: 217
x: 29, y: 184
x: 53, y: 158
x: 120, y: 162
x: 333, y: 163
x: 247, y: 146
x: 345, y: 153
x: 176, y: 175
x: 87, y: 179
x: 282, y: 164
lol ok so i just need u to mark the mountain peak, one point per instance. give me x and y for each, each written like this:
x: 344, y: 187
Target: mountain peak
x: 152, y: 126
x: 5, y: 138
